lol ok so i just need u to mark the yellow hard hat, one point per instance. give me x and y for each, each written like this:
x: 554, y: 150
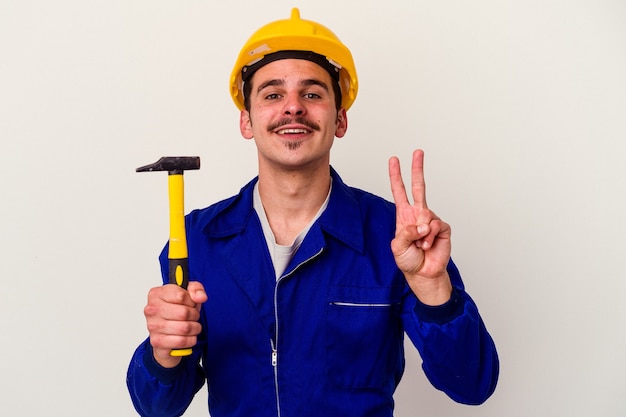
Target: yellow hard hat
x: 295, y: 34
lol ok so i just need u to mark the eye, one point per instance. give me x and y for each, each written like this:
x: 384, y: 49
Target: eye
x: 312, y: 95
x: 273, y: 96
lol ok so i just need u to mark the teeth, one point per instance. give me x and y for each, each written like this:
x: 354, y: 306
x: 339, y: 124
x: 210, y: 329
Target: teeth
x: 287, y: 131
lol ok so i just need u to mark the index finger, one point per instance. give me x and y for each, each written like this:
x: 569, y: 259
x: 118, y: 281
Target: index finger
x: 397, y: 184
x: 418, y: 185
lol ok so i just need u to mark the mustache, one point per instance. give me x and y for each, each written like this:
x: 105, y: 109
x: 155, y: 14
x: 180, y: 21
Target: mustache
x: 288, y: 120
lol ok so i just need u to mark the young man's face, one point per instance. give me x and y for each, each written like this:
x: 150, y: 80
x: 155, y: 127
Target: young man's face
x: 292, y: 116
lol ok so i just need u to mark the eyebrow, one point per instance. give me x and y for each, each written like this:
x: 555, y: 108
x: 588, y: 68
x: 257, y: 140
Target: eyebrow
x: 304, y: 83
x: 313, y: 81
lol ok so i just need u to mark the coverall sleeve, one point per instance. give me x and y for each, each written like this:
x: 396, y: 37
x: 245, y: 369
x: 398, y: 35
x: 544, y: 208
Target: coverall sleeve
x: 162, y: 392
x: 459, y: 356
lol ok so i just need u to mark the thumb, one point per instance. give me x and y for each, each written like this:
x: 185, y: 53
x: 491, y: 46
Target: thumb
x: 197, y: 293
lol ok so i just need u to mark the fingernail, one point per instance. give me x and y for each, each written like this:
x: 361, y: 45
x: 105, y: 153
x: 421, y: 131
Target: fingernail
x: 421, y: 229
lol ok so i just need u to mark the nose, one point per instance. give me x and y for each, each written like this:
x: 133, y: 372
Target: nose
x: 294, y: 106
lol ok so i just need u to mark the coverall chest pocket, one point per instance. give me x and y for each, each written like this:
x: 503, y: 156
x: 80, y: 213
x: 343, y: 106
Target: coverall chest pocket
x: 363, y: 336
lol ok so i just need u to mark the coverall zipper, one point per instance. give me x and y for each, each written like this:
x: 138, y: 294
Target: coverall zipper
x: 274, y: 343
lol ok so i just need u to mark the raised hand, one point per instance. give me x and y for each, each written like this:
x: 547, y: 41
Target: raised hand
x: 422, y: 245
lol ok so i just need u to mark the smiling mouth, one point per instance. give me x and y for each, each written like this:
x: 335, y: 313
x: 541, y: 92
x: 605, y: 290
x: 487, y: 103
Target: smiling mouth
x: 292, y: 131
x: 299, y: 126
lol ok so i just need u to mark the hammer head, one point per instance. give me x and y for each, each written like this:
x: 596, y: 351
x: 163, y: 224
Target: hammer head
x: 172, y: 164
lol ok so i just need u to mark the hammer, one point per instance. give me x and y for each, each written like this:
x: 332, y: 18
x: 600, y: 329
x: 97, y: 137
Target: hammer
x: 177, y: 250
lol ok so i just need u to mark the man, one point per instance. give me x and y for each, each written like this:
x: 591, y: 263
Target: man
x: 302, y: 287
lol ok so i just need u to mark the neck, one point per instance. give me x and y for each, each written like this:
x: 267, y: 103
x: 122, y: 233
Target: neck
x: 292, y: 199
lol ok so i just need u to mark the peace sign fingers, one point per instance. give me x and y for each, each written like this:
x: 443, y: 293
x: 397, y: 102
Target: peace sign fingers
x: 418, y: 229
x: 417, y: 212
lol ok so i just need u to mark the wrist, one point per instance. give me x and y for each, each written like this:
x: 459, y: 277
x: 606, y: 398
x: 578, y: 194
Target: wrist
x: 164, y: 359
x: 431, y: 291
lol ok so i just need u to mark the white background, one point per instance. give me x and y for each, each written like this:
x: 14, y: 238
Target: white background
x: 519, y: 105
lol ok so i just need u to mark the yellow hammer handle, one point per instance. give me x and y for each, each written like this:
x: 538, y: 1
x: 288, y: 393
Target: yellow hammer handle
x: 178, y: 237
x: 177, y: 254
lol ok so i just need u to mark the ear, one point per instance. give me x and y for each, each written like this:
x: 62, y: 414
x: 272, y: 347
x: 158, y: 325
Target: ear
x: 245, y: 125
x: 342, y: 123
